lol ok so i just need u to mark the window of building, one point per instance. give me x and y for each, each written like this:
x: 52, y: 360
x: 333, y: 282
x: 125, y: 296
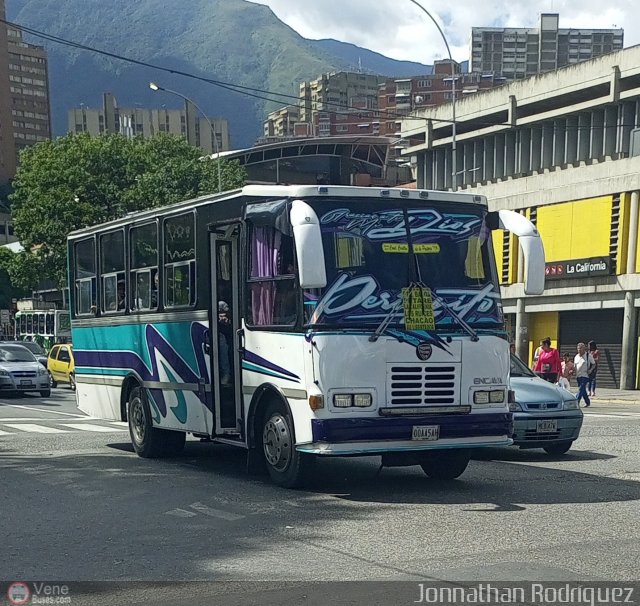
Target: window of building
x: 179, y: 261
x: 144, y: 267
x: 112, y: 272
x: 424, y: 83
x: 85, y: 276
x: 272, y: 292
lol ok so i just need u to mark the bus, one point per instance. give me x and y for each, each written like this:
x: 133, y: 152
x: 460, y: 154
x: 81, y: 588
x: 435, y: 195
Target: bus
x: 45, y: 327
x: 299, y: 322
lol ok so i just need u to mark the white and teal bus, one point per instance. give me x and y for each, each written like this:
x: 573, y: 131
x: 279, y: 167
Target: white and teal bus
x: 301, y: 321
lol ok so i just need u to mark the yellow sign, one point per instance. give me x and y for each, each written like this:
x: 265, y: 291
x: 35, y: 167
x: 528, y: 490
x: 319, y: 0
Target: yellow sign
x: 393, y: 247
x: 418, y: 309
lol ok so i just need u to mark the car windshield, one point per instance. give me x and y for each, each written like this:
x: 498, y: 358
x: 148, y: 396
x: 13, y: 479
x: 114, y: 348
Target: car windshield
x: 369, y: 268
x: 519, y: 368
x: 15, y: 353
x: 33, y: 347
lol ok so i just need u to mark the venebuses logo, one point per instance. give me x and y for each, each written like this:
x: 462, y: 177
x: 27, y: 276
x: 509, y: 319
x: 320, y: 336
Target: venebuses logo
x: 18, y: 593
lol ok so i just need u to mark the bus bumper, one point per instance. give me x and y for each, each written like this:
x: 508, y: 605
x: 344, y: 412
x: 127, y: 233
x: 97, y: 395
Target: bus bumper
x: 358, y: 436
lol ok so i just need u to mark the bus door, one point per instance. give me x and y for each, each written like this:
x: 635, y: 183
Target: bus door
x: 225, y: 331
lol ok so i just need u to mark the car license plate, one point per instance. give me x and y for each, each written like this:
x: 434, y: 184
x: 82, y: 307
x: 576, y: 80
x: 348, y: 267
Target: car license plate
x: 547, y: 426
x: 25, y: 382
x: 425, y: 432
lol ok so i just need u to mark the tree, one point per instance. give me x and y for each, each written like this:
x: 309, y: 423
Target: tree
x: 8, y: 291
x: 80, y: 180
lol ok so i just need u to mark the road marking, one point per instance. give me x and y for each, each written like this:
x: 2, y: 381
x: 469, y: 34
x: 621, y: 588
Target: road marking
x: 52, y: 412
x: 119, y: 424
x: 613, y: 415
x: 5, y: 433
x: 38, y: 419
x: 33, y: 428
x: 181, y: 513
x: 215, y: 513
x: 90, y: 427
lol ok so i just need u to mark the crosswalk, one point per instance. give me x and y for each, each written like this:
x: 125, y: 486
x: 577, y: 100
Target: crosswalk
x: 9, y: 427
x: 632, y: 416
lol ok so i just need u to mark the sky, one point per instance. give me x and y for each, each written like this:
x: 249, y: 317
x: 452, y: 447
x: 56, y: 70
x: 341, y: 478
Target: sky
x: 400, y: 30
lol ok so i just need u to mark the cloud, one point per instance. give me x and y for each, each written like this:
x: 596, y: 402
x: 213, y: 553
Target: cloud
x: 408, y: 34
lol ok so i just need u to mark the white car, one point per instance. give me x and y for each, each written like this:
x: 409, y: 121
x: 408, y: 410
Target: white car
x: 544, y: 415
x: 20, y: 372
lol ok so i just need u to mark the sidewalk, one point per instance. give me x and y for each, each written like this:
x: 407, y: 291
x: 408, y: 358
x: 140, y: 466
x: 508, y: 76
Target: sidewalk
x: 614, y: 396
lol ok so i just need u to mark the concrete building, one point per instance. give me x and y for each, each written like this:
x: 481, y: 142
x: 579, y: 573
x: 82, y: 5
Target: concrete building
x: 564, y: 149
x: 517, y: 52
x: 29, y: 86
x: 7, y: 146
x: 138, y: 121
x: 335, y: 92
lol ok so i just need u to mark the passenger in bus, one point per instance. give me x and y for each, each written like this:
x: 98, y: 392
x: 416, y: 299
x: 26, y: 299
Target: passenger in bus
x: 121, y: 295
x: 225, y: 331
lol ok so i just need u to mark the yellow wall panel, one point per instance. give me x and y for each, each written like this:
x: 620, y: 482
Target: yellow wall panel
x: 498, y: 249
x: 513, y: 259
x: 576, y: 230
x: 541, y: 325
x: 623, y: 234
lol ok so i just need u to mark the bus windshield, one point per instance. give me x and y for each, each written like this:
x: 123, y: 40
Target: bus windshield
x: 368, y: 261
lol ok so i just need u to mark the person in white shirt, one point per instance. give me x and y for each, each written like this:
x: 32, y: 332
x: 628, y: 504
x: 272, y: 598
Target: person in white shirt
x: 584, y: 363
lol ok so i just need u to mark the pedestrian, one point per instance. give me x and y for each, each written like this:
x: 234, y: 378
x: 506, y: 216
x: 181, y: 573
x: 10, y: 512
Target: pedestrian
x: 512, y: 348
x: 536, y: 353
x: 548, y: 366
x: 584, y: 362
x: 568, y: 371
x: 595, y: 354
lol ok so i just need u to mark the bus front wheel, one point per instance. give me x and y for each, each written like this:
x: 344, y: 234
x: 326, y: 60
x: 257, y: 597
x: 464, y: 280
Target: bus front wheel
x: 149, y: 441
x: 444, y: 465
x: 287, y: 467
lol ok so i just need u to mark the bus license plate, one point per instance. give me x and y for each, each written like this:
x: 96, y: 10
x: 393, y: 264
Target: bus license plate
x: 425, y: 432
x: 547, y: 426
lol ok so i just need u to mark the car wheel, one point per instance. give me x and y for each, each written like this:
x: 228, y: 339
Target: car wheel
x: 52, y: 382
x: 148, y: 441
x: 72, y: 382
x: 287, y: 467
x: 559, y: 448
x: 444, y: 465
x: 45, y: 394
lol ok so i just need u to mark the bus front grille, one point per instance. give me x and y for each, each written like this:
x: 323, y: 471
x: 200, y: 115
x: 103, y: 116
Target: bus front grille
x: 422, y: 385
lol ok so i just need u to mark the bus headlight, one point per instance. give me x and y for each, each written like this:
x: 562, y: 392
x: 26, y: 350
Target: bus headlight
x: 343, y: 400
x: 496, y: 396
x: 362, y: 400
x: 480, y: 397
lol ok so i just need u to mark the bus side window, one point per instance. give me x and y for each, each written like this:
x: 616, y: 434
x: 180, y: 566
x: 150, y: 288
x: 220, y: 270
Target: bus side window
x: 179, y: 261
x: 143, y: 277
x: 112, y: 272
x: 85, y: 276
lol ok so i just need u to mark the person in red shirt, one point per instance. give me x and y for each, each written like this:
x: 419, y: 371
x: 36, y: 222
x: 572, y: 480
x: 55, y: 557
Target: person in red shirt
x: 548, y: 366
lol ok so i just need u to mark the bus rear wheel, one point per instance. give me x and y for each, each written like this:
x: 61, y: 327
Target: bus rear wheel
x: 286, y: 466
x: 148, y: 441
x: 444, y: 465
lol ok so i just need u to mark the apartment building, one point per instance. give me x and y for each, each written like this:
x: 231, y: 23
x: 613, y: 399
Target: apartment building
x: 515, y: 52
x: 562, y: 148
x: 7, y: 146
x: 29, y: 86
x: 145, y: 122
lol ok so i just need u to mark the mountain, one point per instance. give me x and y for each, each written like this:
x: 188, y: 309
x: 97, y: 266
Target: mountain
x: 231, y: 41
x: 369, y: 61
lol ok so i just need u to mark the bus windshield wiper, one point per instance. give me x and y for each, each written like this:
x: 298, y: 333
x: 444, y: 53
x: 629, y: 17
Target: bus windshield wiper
x: 386, y: 321
x: 454, y: 315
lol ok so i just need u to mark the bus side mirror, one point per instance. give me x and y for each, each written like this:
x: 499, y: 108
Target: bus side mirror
x: 531, y: 243
x: 309, y: 249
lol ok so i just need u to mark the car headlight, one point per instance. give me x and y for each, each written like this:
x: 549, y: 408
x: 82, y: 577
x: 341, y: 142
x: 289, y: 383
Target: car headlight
x: 515, y: 407
x: 41, y: 371
x: 571, y: 404
x: 4, y: 373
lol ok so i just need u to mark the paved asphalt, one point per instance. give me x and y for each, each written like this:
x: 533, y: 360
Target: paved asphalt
x: 76, y: 504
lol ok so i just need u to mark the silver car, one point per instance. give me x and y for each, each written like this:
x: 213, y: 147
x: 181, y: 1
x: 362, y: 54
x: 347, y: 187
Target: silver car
x: 20, y: 371
x: 544, y: 415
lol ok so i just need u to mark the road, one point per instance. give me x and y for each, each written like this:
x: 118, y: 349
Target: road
x: 78, y: 505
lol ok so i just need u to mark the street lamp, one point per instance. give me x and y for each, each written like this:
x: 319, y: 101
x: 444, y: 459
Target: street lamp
x: 454, y: 172
x: 153, y: 86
